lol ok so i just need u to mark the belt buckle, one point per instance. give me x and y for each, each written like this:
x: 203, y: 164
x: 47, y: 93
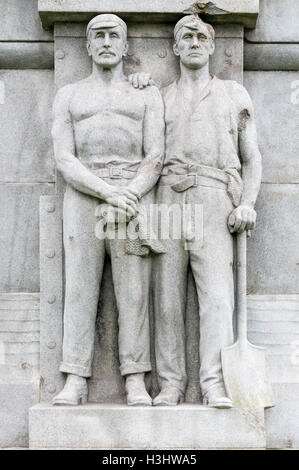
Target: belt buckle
x: 115, y: 172
x: 195, y: 175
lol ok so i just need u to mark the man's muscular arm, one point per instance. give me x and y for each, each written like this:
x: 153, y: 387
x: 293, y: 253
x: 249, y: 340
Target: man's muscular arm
x: 244, y: 216
x: 153, y: 143
x: 71, y: 168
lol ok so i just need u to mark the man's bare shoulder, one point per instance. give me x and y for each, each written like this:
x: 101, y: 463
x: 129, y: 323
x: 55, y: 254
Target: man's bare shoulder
x: 65, y: 93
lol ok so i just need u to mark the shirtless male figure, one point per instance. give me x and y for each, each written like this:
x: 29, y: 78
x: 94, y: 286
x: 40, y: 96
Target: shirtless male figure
x: 109, y: 146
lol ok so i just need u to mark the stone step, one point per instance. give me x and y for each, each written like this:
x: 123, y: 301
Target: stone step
x: 108, y: 426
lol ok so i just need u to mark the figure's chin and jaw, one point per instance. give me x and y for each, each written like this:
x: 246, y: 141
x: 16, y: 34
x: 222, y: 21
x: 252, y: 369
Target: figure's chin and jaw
x: 106, y: 60
x: 195, y: 62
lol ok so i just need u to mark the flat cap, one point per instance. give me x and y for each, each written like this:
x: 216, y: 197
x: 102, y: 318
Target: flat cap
x: 106, y: 21
x: 192, y: 22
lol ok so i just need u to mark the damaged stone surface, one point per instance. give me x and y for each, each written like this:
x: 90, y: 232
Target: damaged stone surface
x: 242, y: 11
x: 209, y: 8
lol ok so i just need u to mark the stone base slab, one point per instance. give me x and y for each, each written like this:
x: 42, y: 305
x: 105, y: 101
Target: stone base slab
x: 282, y: 421
x: 105, y: 426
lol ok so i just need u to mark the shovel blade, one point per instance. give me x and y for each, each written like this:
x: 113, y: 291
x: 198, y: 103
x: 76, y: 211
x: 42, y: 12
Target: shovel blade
x: 245, y: 376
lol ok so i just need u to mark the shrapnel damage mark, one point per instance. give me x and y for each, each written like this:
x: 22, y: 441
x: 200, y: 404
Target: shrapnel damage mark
x: 244, y: 115
x: 205, y: 7
x: 130, y: 64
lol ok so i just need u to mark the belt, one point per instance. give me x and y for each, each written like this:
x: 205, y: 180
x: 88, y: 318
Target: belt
x: 113, y: 172
x: 192, y: 176
x: 202, y: 170
x: 200, y: 175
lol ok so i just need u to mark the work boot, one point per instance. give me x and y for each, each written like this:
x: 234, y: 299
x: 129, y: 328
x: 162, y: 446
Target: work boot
x: 169, y: 396
x: 74, y: 392
x: 216, y: 398
x: 136, y: 391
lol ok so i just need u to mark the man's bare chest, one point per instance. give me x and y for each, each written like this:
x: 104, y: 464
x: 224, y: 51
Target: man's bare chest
x: 113, y: 104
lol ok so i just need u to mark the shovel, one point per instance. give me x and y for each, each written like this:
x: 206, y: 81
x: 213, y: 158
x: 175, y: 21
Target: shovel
x: 243, y: 364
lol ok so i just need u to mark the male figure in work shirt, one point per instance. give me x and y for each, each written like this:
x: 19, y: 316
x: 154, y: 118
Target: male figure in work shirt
x: 109, y: 146
x: 210, y: 142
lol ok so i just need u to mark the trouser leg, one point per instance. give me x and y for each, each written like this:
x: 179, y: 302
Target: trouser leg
x: 169, y: 290
x: 131, y: 279
x: 84, y: 260
x: 212, y: 268
x: 169, y: 284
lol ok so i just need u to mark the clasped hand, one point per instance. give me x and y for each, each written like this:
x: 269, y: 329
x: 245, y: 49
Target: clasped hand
x: 124, y: 199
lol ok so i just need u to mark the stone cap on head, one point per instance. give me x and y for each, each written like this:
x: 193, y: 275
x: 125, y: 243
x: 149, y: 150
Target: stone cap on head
x: 192, y: 22
x: 106, y: 21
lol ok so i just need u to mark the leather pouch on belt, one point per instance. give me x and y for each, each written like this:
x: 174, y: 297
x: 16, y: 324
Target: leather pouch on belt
x: 189, y: 181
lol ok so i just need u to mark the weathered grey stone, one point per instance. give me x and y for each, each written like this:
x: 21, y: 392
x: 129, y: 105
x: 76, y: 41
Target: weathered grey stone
x: 282, y: 421
x: 141, y: 30
x: 25, y: 143
x: 186, y: 426
x: 51, y: 300
x: 272, y: 319
x: 227, y: 62
x: 274, y: 98
x: 19, y: 338
x: 106, y: 384
x: 65, y: 44
x: 15, y: 401
x: 277, y: 22
x: 192, y: 106
x: 26, y: 55
x: 153, y: 54
x: 20, y: 236
x: 193, y: 392
x: 273, y: 256
x: 21, y: 21
x: 227, y: 11
x: 71, y: 61
x: 273, y: 322
x: 271, y: 56
x: 19, y: 365
x: 130, y: 141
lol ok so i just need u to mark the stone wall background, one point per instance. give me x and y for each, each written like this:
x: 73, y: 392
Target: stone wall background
x: 271, y: 53
x: 27, y: 171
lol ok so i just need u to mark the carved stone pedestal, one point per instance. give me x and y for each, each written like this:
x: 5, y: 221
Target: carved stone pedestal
x: 105, y: 426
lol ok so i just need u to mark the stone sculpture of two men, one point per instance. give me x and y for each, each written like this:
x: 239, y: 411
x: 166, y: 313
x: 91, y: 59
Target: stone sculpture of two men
x: 109, y: 142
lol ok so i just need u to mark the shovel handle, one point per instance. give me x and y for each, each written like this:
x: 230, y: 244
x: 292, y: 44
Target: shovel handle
x: 242, y: 286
